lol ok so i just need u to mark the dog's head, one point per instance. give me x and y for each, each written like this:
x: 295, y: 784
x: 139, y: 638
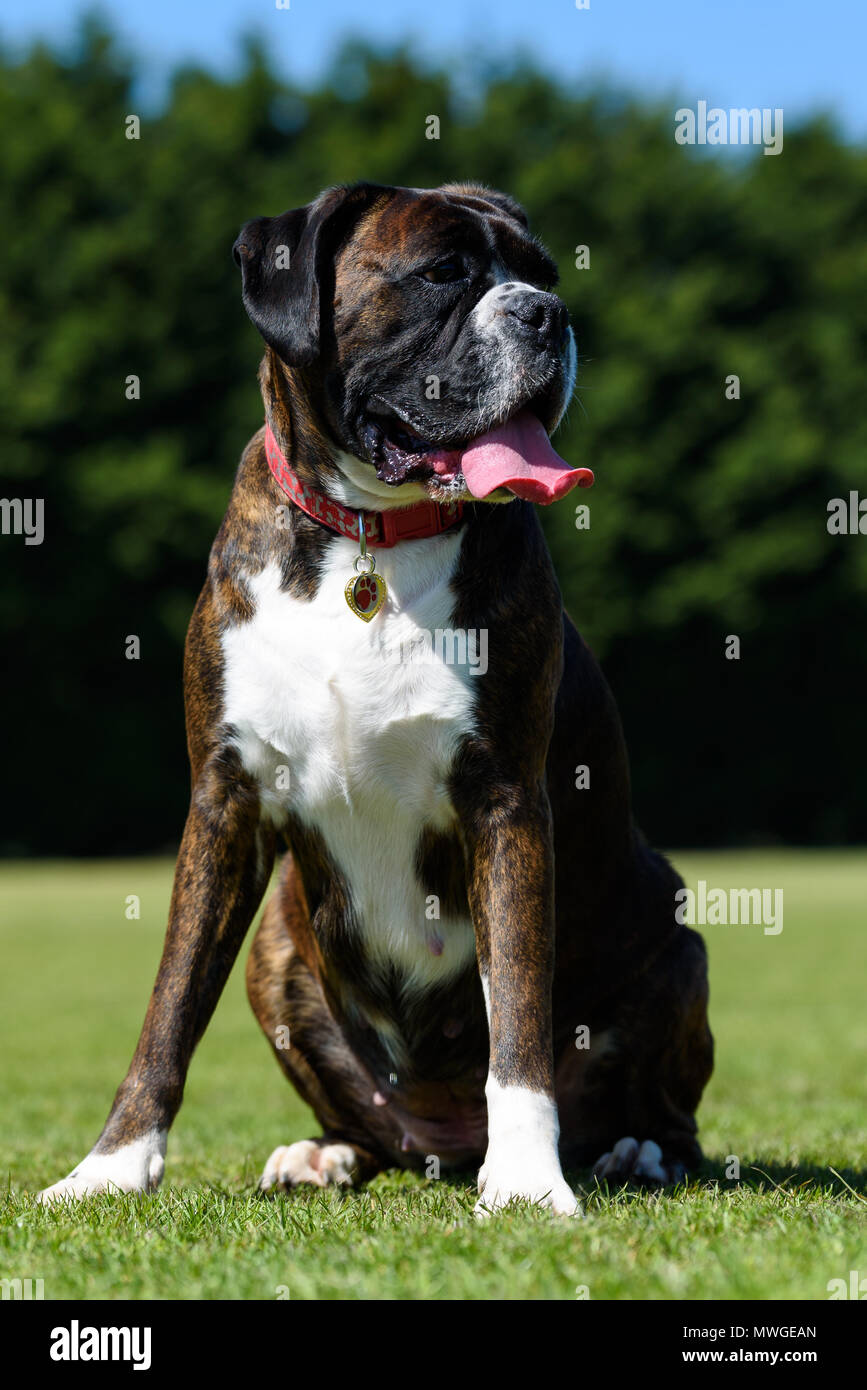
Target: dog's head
x: 421, y: 324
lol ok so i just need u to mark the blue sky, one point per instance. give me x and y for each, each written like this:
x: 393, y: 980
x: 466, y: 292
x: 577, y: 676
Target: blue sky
x: 797, y: 54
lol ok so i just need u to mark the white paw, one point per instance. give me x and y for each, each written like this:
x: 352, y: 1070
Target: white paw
x: 643, y: 1162
x: 137, y: 1167
x: 502, y: 1183
x: 309, y: 1162
x: 522, y: 1161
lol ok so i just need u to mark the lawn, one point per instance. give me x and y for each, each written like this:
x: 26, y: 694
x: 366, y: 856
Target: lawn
x: 786, y: 1101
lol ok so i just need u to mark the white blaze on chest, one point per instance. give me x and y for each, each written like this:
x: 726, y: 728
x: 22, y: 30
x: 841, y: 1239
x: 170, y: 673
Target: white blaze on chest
x: 353, y: 727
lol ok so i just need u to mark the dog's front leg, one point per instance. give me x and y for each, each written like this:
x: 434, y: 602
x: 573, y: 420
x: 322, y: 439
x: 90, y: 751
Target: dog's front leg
x: 222, y: 871
x: 510, y: 883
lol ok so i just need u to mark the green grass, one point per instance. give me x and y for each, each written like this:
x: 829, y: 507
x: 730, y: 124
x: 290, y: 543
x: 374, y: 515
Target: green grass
x: 787, y: 1099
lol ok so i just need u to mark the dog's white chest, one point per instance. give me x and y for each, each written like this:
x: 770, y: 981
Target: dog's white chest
x: 353, y: 727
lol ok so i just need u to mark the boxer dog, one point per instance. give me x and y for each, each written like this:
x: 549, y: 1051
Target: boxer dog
x: 472, y: 955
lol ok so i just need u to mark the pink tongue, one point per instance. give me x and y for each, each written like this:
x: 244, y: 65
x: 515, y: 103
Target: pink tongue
x: 519, y: 456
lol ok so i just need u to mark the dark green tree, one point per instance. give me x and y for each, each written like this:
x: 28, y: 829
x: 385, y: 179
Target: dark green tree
x: 709, y: 513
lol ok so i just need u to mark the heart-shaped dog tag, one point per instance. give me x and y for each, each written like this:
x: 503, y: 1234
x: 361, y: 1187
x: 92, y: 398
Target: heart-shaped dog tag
x: 365, y: 594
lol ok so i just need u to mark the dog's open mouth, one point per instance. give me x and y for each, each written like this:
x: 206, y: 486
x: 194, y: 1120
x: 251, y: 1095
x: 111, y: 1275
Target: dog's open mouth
x: 516, y: 454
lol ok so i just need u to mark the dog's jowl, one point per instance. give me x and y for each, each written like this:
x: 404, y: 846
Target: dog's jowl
x: 453, y: 913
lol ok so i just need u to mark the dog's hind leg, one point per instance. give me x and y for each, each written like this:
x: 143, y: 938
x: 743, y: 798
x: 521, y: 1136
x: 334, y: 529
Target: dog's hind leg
x: 288, y: 1002
x: 629, y: 1109
x: 672, y: 1060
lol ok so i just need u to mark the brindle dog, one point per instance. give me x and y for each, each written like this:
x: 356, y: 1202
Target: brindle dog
x: 455, y: 908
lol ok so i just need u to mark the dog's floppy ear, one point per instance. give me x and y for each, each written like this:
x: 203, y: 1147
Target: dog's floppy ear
x: 284, y: 261
x: 477, y: 193
x: 507, y: 204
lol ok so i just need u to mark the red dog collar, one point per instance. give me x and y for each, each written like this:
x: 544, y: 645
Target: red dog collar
x: 382, y: 529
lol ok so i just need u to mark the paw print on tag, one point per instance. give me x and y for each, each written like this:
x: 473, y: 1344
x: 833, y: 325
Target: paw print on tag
x: 366, y: 595
x: 365, y: 592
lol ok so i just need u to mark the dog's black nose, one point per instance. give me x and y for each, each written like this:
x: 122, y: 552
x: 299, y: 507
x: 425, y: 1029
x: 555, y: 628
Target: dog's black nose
x: 542, y: 314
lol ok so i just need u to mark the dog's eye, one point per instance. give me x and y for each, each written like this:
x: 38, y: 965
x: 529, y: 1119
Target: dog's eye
x: 444, y: 272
